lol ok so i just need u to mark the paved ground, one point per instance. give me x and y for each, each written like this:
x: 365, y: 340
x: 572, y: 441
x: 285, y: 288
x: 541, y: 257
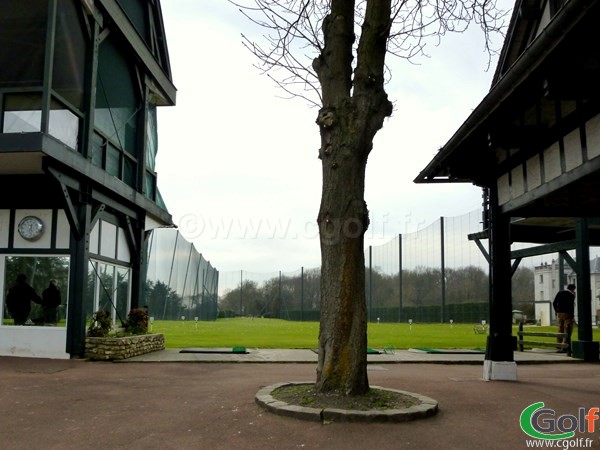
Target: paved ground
x: 69, y: 404
x: 256, y: 355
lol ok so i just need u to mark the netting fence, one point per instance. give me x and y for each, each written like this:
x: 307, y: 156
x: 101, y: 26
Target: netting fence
x: 180, y: 283
x: 286, y: 295
x: 434, y: 274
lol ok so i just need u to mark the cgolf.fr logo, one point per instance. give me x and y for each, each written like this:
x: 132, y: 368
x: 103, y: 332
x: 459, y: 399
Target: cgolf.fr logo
x: 541, y: 423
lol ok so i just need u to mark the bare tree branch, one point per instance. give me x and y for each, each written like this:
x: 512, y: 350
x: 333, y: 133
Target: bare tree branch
x: 294, y: 37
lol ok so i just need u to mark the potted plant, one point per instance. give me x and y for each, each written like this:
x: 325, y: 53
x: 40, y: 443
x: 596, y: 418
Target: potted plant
x: 103, y: 344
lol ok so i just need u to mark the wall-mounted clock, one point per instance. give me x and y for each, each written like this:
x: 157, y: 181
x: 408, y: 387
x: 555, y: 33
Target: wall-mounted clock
x: 31, y: 228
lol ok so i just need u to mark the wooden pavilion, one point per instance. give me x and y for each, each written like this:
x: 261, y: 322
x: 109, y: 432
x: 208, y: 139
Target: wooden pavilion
x: 533, y: 145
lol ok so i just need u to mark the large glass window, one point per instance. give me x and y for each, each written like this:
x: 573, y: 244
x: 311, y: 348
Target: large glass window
x: 151, y: 138
x: 117, y: 112
x: 69, y: 53
x: 117, y: 104
x: 64, y: 125
x: 137, y: 11
x: 122, y: 292
x: 111, y: 287
x: 23, y: 28
x: 22, y: 33
x: 35, y: 290
x: 22, y: 113
x: 105, y: 287
x: 151, y: 151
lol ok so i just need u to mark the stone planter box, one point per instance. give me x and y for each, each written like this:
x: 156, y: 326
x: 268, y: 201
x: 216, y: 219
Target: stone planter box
x: 114, y: 348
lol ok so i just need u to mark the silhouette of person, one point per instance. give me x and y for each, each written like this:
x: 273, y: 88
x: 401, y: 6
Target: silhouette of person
x: 51, y: 301
x: 564, y: 305
x: 19, y: 298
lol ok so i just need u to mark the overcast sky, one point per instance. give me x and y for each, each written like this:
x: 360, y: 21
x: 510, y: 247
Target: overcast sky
x: 237, y: 164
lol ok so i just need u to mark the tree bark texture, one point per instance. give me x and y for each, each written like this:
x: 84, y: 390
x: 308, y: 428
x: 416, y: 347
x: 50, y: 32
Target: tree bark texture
x: 354, y: 108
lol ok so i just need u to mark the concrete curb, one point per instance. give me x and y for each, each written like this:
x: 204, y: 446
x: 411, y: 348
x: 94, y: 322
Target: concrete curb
x: 286, y: 356
x: 427, y: 407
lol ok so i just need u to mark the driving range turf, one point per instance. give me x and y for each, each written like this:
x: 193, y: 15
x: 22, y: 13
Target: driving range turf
x: 277, y: 333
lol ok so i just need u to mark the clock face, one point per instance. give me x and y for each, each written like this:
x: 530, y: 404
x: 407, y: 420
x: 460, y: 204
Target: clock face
x: 31, y: 228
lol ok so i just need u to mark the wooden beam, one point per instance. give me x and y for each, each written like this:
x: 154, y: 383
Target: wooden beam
x: 570, y: 261
x: 544, y: 249
x: 70, y: 210
x: 515, y: 266
x: 482, y: 249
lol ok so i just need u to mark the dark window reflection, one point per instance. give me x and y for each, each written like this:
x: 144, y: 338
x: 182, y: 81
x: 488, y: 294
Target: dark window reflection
x: 46, y: 304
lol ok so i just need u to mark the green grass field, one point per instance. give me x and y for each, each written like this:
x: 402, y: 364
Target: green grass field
x: 276, y: 333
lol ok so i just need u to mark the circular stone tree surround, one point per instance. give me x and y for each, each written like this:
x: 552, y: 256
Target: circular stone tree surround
x: 425, y: 407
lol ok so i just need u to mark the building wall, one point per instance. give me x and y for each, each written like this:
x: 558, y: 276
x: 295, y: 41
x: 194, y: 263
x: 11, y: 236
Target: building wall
x: 547, y: 166
x: 546, y: 281
x: 33, y: 341
x: 110, y: 263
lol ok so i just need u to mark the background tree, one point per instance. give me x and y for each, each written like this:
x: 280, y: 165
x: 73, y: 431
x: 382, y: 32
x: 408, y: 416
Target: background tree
x: 162, y: 301
x: 523, y: 291
x: 249, y: 302
x: 467, y: 284
x: 333, y: 53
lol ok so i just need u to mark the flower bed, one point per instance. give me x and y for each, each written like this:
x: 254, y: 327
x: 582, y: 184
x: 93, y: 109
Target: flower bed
x: 114, y: 348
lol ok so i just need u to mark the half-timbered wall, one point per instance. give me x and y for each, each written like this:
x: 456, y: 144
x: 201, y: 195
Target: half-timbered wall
x: 551, y: 163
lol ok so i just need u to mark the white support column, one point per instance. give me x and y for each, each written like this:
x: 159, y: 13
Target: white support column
x: 499, y: 370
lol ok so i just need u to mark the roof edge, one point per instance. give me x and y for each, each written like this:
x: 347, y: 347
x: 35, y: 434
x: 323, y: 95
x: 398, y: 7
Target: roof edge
x: 528, y: 62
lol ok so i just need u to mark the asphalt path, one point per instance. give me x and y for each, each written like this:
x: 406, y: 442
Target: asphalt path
x: 74, y: 404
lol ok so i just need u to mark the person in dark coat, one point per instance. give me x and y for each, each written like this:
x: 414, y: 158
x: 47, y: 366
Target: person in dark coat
x: 564, y: 305
x: 19, y: 298
x: 51, y: 301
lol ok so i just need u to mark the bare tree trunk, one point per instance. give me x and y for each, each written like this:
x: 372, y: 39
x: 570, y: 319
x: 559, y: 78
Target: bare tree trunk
x: 343, y: 329
x: 352, y: 113
x: 353, y: 107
